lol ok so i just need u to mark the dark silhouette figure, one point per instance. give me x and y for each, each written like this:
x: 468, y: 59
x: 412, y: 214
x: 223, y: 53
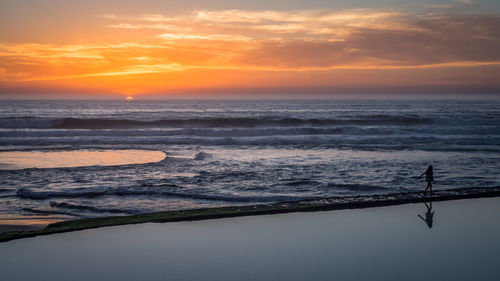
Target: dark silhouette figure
x: 429, y: 177
x: 429, y: 215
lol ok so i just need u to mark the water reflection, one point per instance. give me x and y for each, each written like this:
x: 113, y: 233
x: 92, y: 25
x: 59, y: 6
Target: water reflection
x: 429, y: 214
x: 14, y: 160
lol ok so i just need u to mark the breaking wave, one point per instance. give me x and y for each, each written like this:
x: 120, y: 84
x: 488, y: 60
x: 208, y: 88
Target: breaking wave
x: 28, y: 193
x: 225, y: 153
x: 70, y: 206
x: 103, y: 123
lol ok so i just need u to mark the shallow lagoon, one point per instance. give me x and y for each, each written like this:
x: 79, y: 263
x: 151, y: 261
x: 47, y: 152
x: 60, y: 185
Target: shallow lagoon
x: 14, y: 160
x: 387, y: 243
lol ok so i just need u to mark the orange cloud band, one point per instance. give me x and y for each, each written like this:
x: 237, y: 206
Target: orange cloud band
x: 177, y: 48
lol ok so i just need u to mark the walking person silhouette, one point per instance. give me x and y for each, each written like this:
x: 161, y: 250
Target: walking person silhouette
x: 429, y: 177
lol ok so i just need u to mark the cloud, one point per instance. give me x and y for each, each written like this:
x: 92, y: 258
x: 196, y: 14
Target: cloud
x: 214, y: 37
x: 438, y: 6
x: 305, y: 21
x: 294, y: 41
x: 427, y: 41
x: 466, y: 2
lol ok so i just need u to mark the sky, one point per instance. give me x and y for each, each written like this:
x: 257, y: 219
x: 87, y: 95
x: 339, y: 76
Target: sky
x: 155, y: 48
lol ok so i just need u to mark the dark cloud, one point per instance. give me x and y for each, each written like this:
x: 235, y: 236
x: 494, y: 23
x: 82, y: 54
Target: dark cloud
x: 431, y: 40
x: 297, y: 53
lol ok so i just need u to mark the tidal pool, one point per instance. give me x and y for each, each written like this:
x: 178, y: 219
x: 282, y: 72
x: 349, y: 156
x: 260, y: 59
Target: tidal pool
x: 386, y: 243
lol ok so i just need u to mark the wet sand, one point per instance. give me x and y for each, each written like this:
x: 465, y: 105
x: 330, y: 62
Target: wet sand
x: 383, y: 243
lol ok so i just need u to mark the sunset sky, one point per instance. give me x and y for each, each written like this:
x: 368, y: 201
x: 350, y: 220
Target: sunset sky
x: 153, y: 47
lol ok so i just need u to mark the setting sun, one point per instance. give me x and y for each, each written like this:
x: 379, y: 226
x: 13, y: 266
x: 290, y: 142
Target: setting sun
x: 129, y: 98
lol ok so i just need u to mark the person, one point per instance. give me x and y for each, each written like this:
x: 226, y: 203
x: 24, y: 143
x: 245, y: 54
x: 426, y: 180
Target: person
x: 429, y: 177
x: 429, y: 215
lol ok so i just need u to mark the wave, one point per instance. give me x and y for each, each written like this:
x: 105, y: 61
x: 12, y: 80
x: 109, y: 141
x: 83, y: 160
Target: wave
x: 28, y: 193
x: 65, y: 205
x: 357, y: 187
x: 27, y: 122
x: 103, y: 123
x: 300, y: 182
x: 371, y: 142
x: 202, y: 156
x: 202, y: 132
x: 454, y: 131
x: 48, y: 212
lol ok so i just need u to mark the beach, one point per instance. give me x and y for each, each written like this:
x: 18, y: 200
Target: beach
x: 384, y: 243
x: 250, y: 140
x: 288, y: 190
x: 64, y: 160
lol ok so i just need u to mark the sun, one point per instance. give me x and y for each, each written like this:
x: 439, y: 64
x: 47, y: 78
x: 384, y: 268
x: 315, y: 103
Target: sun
x: 129, y: 98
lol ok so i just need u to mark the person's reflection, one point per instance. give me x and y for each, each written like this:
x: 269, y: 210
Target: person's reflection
x: 429, y: 215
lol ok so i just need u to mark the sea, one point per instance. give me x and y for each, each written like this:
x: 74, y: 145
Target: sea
x: 185, y: 154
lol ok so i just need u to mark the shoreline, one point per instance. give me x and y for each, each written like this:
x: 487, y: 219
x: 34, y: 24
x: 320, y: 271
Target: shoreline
x: 327, y: 204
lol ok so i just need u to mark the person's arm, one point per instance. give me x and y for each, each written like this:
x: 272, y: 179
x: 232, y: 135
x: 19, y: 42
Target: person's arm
x: 421, y: 217
x: 421, y: 175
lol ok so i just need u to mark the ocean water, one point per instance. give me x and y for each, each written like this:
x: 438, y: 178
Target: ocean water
x: 221, y: 153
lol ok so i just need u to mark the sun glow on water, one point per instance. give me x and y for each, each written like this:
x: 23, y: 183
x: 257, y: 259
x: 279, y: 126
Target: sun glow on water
x: 13, y: 160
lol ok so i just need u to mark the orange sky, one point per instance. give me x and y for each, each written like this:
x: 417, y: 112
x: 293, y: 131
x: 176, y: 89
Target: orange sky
x: 200, y: 50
